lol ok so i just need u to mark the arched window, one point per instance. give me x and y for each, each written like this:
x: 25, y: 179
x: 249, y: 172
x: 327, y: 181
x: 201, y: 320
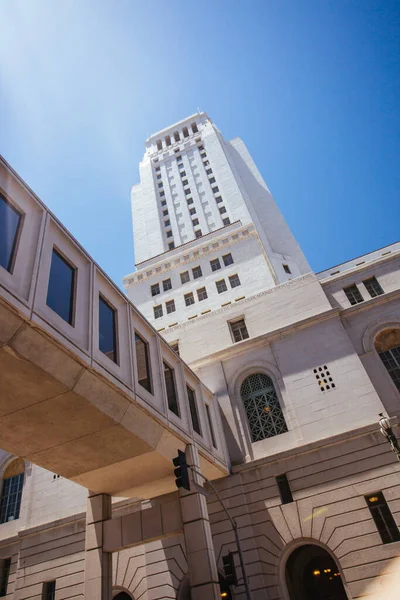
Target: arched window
x: 387, y: 344
x: 13, y: 481
x: 263, y: 410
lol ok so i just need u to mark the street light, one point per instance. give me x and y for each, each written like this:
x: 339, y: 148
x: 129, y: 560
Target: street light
x: 387, y: 432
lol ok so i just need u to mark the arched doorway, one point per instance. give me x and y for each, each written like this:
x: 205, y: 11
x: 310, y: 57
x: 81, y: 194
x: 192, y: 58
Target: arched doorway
x: 312, y: 574
x: 122, y: 596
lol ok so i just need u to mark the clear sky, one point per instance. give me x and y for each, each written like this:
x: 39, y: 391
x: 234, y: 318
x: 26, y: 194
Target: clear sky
x: 311, y: 86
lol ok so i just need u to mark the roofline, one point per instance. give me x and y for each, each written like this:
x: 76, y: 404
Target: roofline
x: 177, y: 124
x: 356, y: 257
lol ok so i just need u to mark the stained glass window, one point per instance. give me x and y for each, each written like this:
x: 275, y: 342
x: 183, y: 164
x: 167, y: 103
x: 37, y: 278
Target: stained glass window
x: 262, y: 407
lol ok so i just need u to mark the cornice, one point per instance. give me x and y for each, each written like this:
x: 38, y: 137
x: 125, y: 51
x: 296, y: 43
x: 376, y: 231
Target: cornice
x: 358, y: 268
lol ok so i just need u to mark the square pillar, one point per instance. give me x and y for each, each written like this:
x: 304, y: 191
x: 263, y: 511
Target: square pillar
x: 203, y: 574
x: 98, y: 564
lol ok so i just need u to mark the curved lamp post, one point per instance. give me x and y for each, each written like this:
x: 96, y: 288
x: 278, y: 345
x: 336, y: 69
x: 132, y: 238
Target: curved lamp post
x: 387, y: 432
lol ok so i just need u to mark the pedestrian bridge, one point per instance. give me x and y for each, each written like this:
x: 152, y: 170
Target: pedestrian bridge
x: 88, y: 389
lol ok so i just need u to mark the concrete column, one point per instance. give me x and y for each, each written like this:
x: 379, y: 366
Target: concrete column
x: 98, y: 564
x: 203, y: 572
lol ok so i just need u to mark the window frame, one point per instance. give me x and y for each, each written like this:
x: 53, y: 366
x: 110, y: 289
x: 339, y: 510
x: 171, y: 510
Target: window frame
x: 191, y: 296
x: 201, y: 291
x: 153, y: 293
x: 146, y: 345
x: 231, y: 329
x: 221, y: 281
x: 183, y: 279
x: 164, y: 282
x: 217, y: 264
x: 369, y: 284
x: 388, y: 521
x: 114, y: 310
x: 193, y: 410
x: 230, y: 262
x: 170, y: 304
x: 17, y: 236
x: 193, y: 272
x: 73, y: 290
x: 174, y: 402
x: 351, y: 292
x: 210, y: 426
x: 154, y: 311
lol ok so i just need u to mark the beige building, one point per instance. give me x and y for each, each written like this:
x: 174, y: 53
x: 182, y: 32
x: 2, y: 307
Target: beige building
x: 272, y: 381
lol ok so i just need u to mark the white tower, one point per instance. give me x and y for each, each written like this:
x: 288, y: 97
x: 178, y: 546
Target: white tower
x: 207, y: 231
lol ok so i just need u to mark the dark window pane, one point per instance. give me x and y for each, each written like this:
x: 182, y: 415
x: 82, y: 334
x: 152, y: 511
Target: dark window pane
x: 383, y: 518
x: 10, y: 220
x: 373, y: 286
x: 171, y: 389
x: 284, y: 489
x: 210, y: 426
x: 107, y: 330
x: 353, y: 294
x: 143, y: 363
x: 60, y: 293
x: 193, y: 410
x: 228, y: 260
x: 239, y: 331
x: 5, y: 565
x: 11, y: 498
x: 49, y: 590
x: 391, y: 360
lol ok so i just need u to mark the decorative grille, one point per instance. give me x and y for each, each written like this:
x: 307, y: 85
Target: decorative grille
x: 263, y: 410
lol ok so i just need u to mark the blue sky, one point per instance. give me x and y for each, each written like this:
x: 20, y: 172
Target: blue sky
x: 311, y: 86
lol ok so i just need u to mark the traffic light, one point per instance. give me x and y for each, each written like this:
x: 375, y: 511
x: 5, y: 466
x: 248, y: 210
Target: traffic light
x: 182, y: 471
x: 229, y: 569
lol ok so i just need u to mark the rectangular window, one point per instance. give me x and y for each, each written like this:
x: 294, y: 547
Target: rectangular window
x: 5, y: 565
x: 226, y: 221
x: 107, y: 330
x: 193, y: 410
x: 179, y: 158
x: 215, y: 189
x: 162, y: 193
x: 198, y: 233
x: 202, y: 294
x: 184, y: 182
x: 169, y: 234
x: 185, y: 277
x: 195, y: 222
x: 208, y: 171
x: 11, y: 496
x: 160, y: 185
x: 234, y: 281
x: 228, y: 260
x: 61, y: 288
x: 182, y: 173
x: 171, y: 245
x: 187, y: 191
x: 143, y: 362
x: 189, y: 299
x: 222, y: 210
x: 155, y: 289
x: 157, y: 168
x: 165, y: 212
x: 167, y: 285
x: 159, y: 176
x: 194, y: 128
x: 203, y: 155
x: 175, y: 347
x: 49, y: 590
x: 158, y: 311
x: 206, y: 162
x: 210, y: 426
x: 197, y: 272
x: 353, y: 294
x: 170, y: 306
x: 286, y: 268
x: 221, y: 286
x: 218, y: 199
x: 373, y: 287
x: 284, y: 489
x: 383, y: 518
x: 200, y: 147
x: 239, y: 331
x: 212, y: 180
x: 189, y: 200
x: 167, y: 223
x: 172, y: 397
x: 164, y: 203
x: 215, y: 264
x: 10, y: 222
x: 192, y: 211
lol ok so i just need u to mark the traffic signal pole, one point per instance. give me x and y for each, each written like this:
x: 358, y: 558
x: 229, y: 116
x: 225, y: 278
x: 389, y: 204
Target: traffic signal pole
x: 234, y: 527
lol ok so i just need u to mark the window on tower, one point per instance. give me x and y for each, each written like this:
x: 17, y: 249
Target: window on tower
x: 199, y: 233
x: 158, y: 311
x: 239, y: 330
x: 185, y: 182
x: 167, y: 140
x: 212, y: 180
x: 189, y: 200
x: 353, y: 294
x: 187, y: 191
x: 182, y: 173
x: 222, y: 210
x: 167, y: 285
x: 159, y: 145
x: 228, y: 260
x: 170, y: 306
x: 155, y: 289
x: 221, y: 286
x: 192, y: 211
x: 165, y: 212
x: 185, y: 132
x: 185, y: 277
x: 169, y: 233
x: 208, y: 171
x: 215, y: 189
x: 167, y: 223
x: 197, y: 272
x: 218, y: 199
x: 171, y: 246
x: 286, y: 268
x: 195, y: 222
x: 176, y: 136
x: 373, y: 287
x: 203, y: 155
x: 215, y: 264
x: 189, y: 299
x: 202, y: 294
x: 226, y: 221
x: 234, y: 281
x: 194, y: 128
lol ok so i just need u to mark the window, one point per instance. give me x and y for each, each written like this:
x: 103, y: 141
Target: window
x: 49, y: 590
x: 234, y: 281
x: 11, y: 495
x: 284, y: 489
x: 171, y: 246
x: 158, y: 311
x: 195, y: 222
x: 264, y: 413
x: 169, y: 234
x: 185, y: 132
x: 221, y: 286
x: 157, y: 169
x: 287, y: 269
x: 215, y: 189
x: 159, y: 176
x: 184, y: 182
x: 192, y: 211
x: 61, y: 288
x: 165, y: 212
x: 189, y: 200
x: 222, y: 210
x: 167, y: 223
x: 202, y: 294
x: 384, y: 521
x: 107, y: 329
x: 164, y: 203
x: 155, y: 289
x: 187, y: 191
x: 210, y: 426
x: 5, y: 564
x: 172, y: 398
x: 167, y: 140
x: 167, y: 285
x: 197, y: 272
x: 194, y: 128
x: 170, y: 306
x: 215, y: 264
x: 179, y: 158
x: 206, y: 162
x: 373, y: 287
x: 201, y: 147
x: 239, y: 330
x: 218, y: 199
x: 208, y: 171
x: 160, y: 185
x: 143, y: 363
x: 189, y: 299
x: 182, y: 173
x: 159, y: 145
x: 185, y: 277
x: 193, y: 410
x: 226, y: 221
x: 353, y: 294
x: 198, y: 233
x: 228, y: 260
x: 176, y: 136
x: 203, y: 155
x: 387, y: 344
x: 162, y: 193
x: 10, y: 222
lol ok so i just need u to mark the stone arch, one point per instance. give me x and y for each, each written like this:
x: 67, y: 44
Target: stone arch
x: 121, y: 595
x: 368, y: 340
x: 265, y: 367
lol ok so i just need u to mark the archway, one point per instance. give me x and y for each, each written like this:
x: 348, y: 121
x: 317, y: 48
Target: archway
x: 122, y: 596
x: 387, y: 344
x: 312, y: 574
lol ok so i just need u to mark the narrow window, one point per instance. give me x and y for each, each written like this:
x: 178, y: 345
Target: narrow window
x: 221, y: 286
x: 61, y: 288
x: 155, y: 289
x: 184, y: 181
x: 195, y: 222
x: 185, y: 277
x: 158, y: 311
x: 206, y: 162
x: 286, y: 268
x: 165, y: 212
x: 11, y: 495
x: 107, y: 329
x: 193, y: 410
x: 167, y: 223
x: 169, y: 234
x: 197, y: 272
x: 170, y: 306
x: 162, y: 193
x: 215, y: 189
x: 234, y: 281
x: 176, y: 136
x: 226, y: 221
x: 160, y: 184
x: 189, y: 200
x: 179, y: 159
x: 210, y: 426
x: 167, y: 140
x: 159, y: 145
x: 192, y: 211
x: 5, y: 564
x: 171, y: 246
x: 182, y: 174
x: 198, y: 233
x: 218, y: 199
x: 228, y: 260
x: 10, y: 222
x: 284, y: 489
x: 157, y: 169
x: 384, y: 521
x: 159, y: 176
x: 222, y: 210
x: 202, y: 294
x: 239, y: 330
x: 208, y: 171
x: 189, y: 299
x: 203, y: 155
x: 185, y: 132
x: 373, y: 287
x: 212, y: 180
x: 167, y: 285
x: 171, y: 389
x: 49, y: 590
x: 353, y: 294
x: 164, y: 203
x: 175, y: 347
x: 215, y: 264
x: 187, y: 191
x: 201, y: 147
x: 261, y: 403
x: 194, y: 128
x: 143, y: 362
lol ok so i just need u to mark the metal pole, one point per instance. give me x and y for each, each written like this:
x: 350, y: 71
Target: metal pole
x: 235, y: 530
